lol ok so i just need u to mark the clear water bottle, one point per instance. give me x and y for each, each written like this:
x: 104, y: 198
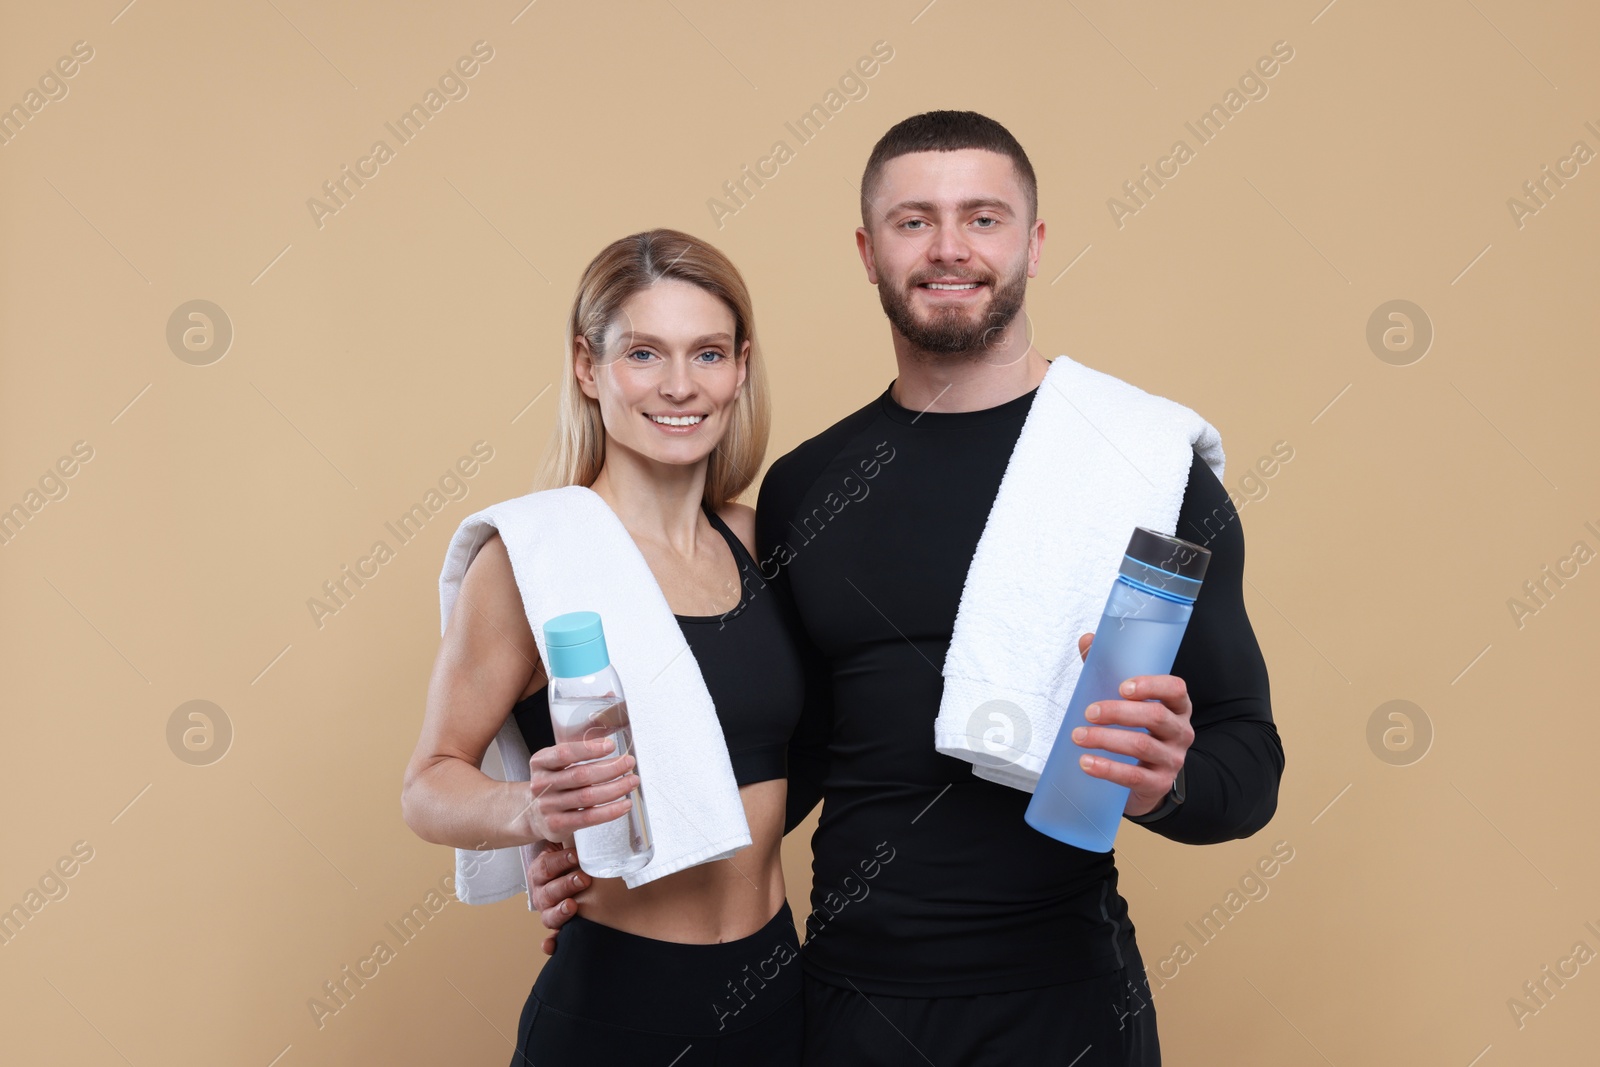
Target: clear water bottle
x: 586, y: 703
x: 1139, y: 633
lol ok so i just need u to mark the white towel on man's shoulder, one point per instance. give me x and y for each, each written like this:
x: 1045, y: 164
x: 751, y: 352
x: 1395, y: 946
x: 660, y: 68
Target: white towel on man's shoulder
x: 570, y: 552
x: 1096, y: 457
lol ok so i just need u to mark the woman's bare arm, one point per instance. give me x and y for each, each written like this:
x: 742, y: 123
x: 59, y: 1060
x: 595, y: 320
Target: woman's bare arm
x: 486, y: 661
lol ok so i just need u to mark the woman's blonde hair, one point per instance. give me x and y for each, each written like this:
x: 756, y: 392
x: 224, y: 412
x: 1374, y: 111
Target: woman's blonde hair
x: 623, y: 268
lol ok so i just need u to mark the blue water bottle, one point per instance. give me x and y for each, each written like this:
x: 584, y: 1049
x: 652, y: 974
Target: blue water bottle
x: 1139, y: 633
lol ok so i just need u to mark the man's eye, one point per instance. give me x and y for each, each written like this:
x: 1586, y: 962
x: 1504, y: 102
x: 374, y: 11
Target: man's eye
x: 912, y: 222
x: 987, y: 218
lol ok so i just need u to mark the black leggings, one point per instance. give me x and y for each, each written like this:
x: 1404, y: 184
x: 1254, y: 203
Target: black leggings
x: 612, y: 997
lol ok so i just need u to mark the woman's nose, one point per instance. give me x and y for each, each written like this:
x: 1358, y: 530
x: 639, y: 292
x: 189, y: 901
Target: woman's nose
x: 678, y: 382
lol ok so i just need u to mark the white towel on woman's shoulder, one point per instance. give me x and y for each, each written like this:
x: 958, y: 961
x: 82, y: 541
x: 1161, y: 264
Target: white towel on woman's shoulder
x: 570, y: 552
x: 1096, y: 457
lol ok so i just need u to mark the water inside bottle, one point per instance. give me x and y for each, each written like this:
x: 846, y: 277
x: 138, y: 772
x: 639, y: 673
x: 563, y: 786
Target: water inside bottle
x: 1069, y: 803
x: 623, y: 844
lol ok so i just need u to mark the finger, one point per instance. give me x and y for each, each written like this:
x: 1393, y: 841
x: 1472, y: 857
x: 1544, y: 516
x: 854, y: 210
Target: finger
x: 1167, y: 688
x: 576, y: 777
x: 569, y: 821
x: 1149, y: 715
x: 580, y: 787
x: 545, y: 871
x: 549, y: 946
x: 1135, y: 776
x: 553, y: 894
x: 554, y: 918
x: 1166, y: 698
x: 1133, y: 743
x: 559, y: 803
x: 579, y: 776
x: 1083, y: 645
x: 567, y: 753
x: 556, y: 757
x: 594, y: 795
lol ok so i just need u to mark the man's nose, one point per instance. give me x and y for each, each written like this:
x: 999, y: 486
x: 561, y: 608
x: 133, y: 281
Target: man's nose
x: 949, y: 246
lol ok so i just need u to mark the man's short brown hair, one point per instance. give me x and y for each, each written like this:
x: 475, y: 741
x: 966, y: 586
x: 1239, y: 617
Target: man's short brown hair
x: 946, y: 131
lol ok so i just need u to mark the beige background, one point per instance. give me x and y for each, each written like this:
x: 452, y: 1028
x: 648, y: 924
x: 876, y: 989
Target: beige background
x: 371, y: 352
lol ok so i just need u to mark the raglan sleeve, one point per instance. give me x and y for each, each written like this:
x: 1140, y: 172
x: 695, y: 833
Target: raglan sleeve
x: 1233, y: 769
x: 808, y: 747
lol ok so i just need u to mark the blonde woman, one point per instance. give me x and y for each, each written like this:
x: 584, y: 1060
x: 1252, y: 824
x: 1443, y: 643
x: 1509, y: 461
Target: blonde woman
x: 664, y: 415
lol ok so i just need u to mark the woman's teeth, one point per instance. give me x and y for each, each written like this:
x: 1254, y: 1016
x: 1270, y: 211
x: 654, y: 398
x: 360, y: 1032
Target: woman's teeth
x: 677, y: 420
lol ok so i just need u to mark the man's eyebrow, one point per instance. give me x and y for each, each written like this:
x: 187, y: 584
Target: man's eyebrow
x: 652, y: 339
x: 928, y: 207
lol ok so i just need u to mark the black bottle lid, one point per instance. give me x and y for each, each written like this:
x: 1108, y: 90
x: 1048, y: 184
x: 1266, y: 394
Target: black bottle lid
x: 1171, y: 554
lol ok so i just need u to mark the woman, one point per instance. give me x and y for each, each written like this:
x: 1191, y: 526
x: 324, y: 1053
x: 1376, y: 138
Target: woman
x: 664, y: 415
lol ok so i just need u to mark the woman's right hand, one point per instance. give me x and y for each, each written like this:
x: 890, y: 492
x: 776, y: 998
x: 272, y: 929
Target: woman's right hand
x: 565, y: 795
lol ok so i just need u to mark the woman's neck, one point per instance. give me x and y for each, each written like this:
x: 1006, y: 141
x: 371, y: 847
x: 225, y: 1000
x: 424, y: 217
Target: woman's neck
x: 656, y: 502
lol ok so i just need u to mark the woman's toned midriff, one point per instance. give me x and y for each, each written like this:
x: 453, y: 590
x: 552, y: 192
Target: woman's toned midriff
x: 709, y: 903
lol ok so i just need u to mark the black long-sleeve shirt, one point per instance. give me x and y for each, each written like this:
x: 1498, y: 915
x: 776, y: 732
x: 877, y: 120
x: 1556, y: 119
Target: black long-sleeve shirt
x: 926, y: 879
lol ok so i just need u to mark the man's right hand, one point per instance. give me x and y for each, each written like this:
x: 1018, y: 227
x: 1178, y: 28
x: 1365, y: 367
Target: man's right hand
x: 553, y: 880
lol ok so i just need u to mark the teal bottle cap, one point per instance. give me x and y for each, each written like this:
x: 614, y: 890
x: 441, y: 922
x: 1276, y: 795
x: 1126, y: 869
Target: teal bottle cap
x: 576, y: 644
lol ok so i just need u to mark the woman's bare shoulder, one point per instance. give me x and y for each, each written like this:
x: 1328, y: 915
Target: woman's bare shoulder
x: 489, y: 586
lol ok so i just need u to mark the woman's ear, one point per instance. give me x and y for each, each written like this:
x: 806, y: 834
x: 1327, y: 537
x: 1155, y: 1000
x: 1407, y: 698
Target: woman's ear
x: 583, y: 367
x: 744, y: 364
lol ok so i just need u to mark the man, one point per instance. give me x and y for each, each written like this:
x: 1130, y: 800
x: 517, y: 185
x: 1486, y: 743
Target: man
x: 944, y: 929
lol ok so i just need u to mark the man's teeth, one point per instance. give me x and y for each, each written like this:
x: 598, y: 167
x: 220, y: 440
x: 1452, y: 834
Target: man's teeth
x: 941, y: 285
x: 677, y: 420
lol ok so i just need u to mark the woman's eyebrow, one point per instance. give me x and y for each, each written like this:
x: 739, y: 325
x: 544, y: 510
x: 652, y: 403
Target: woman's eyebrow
x: 652, y: 339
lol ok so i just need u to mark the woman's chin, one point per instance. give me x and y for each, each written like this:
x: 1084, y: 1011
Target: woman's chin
x: 682, y: 452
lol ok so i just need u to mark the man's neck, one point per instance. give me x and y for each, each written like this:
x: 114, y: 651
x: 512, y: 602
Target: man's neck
x: 964, y: 381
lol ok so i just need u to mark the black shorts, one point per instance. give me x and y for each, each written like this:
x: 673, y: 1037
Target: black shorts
x: 612, y: 997
x: 1106, y: 1021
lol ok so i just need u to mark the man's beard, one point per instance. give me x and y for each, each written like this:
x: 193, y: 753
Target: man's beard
x: 953, y: 330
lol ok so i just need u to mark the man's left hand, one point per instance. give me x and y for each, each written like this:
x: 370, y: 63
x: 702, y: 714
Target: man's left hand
x: 1160, y: 704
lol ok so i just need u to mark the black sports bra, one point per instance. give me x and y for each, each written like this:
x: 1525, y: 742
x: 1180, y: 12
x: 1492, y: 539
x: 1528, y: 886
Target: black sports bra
x: 752, y: 669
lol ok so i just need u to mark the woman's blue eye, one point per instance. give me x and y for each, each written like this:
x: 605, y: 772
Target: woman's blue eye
x: 647, y: 354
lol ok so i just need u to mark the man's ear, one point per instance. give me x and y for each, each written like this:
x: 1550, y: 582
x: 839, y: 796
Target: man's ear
x: 864, y: 249
x: 1035, y: 247
x: 583, y: 367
